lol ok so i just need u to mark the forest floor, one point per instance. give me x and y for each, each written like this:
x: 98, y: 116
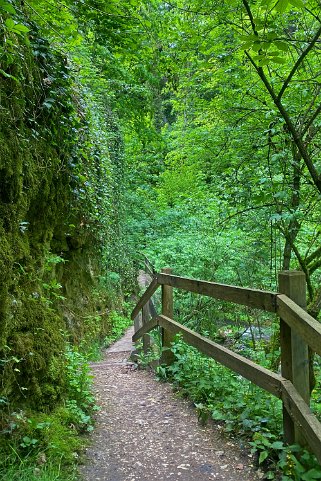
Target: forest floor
x: 145, y: 432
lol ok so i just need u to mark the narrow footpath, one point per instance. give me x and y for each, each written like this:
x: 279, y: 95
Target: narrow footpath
x: 144, y: 432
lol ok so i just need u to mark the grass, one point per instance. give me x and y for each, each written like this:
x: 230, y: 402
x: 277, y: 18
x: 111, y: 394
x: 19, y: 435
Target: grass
x: 23, y: 471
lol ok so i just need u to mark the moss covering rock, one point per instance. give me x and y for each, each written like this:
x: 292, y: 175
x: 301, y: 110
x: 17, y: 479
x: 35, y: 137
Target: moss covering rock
x: 52, y: 179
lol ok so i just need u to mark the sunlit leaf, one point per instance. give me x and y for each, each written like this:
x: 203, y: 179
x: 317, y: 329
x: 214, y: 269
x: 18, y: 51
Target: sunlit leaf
x: 281, y: 45
x: 297, y: 3
x: 281, y: 5
x: 21, y: 28
x: 279, y: 60
x: 7, y: 7
x: 9, y: 23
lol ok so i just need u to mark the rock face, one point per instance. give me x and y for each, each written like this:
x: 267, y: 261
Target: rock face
x: 50, y: 249
x: 34, y: 194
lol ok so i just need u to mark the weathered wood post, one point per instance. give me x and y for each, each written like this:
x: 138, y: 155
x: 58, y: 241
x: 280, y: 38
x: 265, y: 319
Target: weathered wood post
x: 294, y: 351
x: 138, y: 322
x: 168, y: 311
x: 145, y: 319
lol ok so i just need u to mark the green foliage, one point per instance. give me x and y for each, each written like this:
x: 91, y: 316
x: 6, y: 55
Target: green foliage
x: 190, y: 132
x: 23, y: 472
x: 59, y: 202
x: 42, y: 443
x: 255, y: 414
x: 119, y: 325
x: 292, y: 461
x: 146, y: 359
x: 79, y: 393
x: 214, y: 386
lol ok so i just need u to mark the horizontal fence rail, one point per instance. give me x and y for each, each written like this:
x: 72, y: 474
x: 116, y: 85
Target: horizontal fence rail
x: 299, y: 320
x: 253, y: 372
x: 305, y: 426
x: 240, y: 295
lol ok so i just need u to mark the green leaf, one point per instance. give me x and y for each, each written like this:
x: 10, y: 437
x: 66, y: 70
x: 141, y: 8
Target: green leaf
x: 247, y: 45
x: 277, y: 445
x: 312, y: 474
x: 17, y: 28
x: 264, y: 61
x: 297, y: 3
x: 21, y: 28
x: 271, y: 35
x: 281, y: 5
x: 9, y: 23
x: 247, y: 38
x: 270, y: 475
x: 281, y: 45
x: 7, y: 7
x: 256, y: 46
x: 263, y: 456
x: 278, y: 60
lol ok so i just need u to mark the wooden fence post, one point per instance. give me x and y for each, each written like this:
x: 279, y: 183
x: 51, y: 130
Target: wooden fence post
x: 145, y: 319
x: 168, y: 311
x: 294, y: 351
x: 138, y: 322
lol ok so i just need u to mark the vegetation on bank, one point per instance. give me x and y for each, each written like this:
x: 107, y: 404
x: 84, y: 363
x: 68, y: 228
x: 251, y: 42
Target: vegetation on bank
x: 189, y: 131
x: 48, y: 445
x: 241, y: 408
x: 62, y: 271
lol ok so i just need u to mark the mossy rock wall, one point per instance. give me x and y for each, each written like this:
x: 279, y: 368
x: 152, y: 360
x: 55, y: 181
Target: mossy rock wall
x: 42, y: 220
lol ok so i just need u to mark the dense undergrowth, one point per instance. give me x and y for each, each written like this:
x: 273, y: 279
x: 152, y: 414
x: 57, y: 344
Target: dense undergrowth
x: 244, y: 411
x: 129, y: 127
x: 62, y: 274
x: 48, y: 445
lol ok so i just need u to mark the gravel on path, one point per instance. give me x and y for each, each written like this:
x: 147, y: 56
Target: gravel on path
x: 144, y: 432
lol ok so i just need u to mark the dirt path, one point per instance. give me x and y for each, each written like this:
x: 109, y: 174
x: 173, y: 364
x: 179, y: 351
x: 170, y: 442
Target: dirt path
x: 145, y: 433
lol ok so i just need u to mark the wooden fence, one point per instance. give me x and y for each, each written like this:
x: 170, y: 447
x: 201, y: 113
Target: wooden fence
x: 298, y: 331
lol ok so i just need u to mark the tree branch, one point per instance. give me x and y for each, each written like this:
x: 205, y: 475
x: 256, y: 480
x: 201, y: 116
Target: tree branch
x: 311, y: 120
x: 249, y: 12
x: 240, y: 212
x: 298, y: 63
x: 312, y: 256
x: 293, y: 131
x: 300, y: 260
x: 315, y: 266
